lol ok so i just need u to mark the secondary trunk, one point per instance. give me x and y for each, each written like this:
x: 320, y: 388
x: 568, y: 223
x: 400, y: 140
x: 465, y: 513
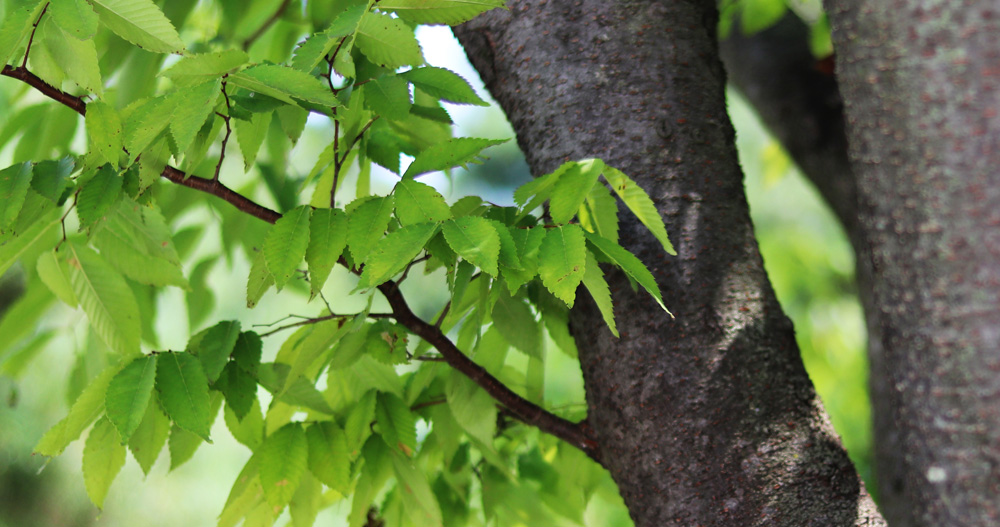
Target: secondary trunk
x: 921, y: 85
x: 709, y: 418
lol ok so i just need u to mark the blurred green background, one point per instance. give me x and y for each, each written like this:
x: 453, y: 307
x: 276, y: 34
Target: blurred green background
x: 806, y: 254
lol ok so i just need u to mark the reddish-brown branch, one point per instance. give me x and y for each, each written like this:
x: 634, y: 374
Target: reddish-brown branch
x: 526, y: 411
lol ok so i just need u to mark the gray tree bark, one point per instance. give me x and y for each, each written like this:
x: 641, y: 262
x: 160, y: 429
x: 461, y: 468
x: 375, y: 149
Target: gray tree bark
x: 709, y: 418
x: 921, y: 85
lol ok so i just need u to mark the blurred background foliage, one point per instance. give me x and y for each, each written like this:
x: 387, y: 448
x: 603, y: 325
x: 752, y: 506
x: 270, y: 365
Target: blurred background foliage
x: 42, y: 342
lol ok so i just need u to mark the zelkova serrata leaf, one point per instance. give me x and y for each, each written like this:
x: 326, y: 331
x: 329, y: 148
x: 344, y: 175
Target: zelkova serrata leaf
x: 572, y: 188
x: 14, y: 183
x: 444, y: 84
x: 312, y: 50
x: 148, y: 439
x: 628, y: 263
x: 394, y: 252
x: 106, y: 299
x: 75, y: 17
x: 366, y: 224
x: 562, y: 260
x: 459, y: 151
x: 104, y: 128
x: 387, y: 41
x: 396, y: 422
x: 329, y: 459
x: 327, y: 239
x: 418, y: 202
x: 183, y: 392
x: 284, y: 83
x: 636, y: 199
x: 475, y: 240
x: 450, y: 12
x: 214, y: 347
x: 103, y: 457
x: 129, y: 393
x: 16, y: 28
x: 593, y: 280
x: 282, y: 462
x: 286, y: 243
x: 87, y: 407
x: 140, y: 22
x: 195, y: 69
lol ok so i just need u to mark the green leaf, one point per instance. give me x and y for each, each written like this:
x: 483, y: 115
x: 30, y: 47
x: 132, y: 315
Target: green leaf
x: 214, y: 347
x: 104, y: 128
x: 418, y: 500
x: 366, y: 224
x: 87, y: 407
x: 418, y: 202
x: 312, y: 50
x: 397, y: 424
x: 106, y: 299
x: 593, y: 280
x: 394, y: 252
x: 250, y: 429
x: 128, y: 395
x: 282, y: 461
x: 50, y: 179
x: 292, y: 120
x: 16, y: 28
x: 182, y: 446
x: 149, y: 438
x: 198, y: 103
x: 562, y: 261
x: 247, y: 352
x: 196, y: 69
x: 250, y: 134
x: 286, y: 243
x: 636, y: 199
x: 474, y: 239
x: 39, y: 231
x: 572, y: 189
x: 329, y: 459
x: 98, y: 195
x: 327, y: 240
x: 627, y: 262
x: 78, y: 58
x: 239, y: 388
x: 387, y: 41
x: 136, y: 240
x: 758, y: 15
x: 14, y: 183
x: 75, y: 17
x: 55, y: 274
x: 183, y: 391
x: 103, y: 457
x: 459, y: 151
x: 389, y: 97
x: 140, y: 22
x: 444, y: 84
x: 450, y: 12
x: 285, y: 84
x: 517, y: 325
x: 473, y: 408
x: 260, y: 280
x: 599, y: 213
x: 532, y: 194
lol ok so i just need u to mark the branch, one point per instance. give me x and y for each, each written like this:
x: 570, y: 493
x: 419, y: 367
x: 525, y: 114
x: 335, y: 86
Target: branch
x: 523, y: 409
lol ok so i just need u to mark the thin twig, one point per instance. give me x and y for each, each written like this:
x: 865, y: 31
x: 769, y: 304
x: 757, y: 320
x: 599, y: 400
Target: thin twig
x: 425, y: 404
x: 267, y: 24
x: 356, y: 139
x: 229, y: 130
x: 34, y: 27
x: 336, y: 163
x: 317, y: 320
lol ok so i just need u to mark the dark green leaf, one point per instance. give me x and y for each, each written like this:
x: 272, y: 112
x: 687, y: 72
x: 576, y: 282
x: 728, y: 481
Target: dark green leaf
x: 397, y: 424
x: 183, y: 391
x: 129, y: 393
x: 214, y: 347
x: 327, y: 239
x: 475, y: 240
x: 286, y: 244
x: 518, y: 325
x: 366, y: 224
x: 387, y: 41
x: 394, y: 252
x: 443, y: 84
x: 239, y: 388
x: 455, y: 152
x: 98, y: 195
x: 562, y: 261
x: 418, y: 202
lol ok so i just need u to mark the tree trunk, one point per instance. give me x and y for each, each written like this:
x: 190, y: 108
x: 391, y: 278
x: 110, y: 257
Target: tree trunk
x: 921, y: 84
x: 709, y: 418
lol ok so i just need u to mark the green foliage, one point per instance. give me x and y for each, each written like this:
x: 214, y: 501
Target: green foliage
x: 367, y: 398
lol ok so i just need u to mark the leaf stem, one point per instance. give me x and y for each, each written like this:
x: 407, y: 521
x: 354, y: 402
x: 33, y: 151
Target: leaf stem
x: 229, y: 130
x: 31, y: 39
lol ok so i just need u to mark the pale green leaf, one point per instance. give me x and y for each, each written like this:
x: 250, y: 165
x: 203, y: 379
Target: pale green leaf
x: 627, y: 262
x: 75, y: 17
x: 459, y: 151
x: 98, y: 196
x: 260, y: 280
x: 245, y: 494
x: 306, y: 502
x: 250, y: 429
x: 103, y: 457
x: 183, y: 392
x: 104, y: 129
x: 140, y: 22
x: 329, y: 459
x: 182, y: 445
x: 397, y: 424
x: 51, y: 177
x: 322, y: 337
x: 357, y: 426
x: 87, y: 407
x: 387, y: 41
x: 214, y: 347
x: 394, y: 252
x: 136, y: 241
x: 418, y: 202
x: 38, y: 232
x: 599, y: 213
x: 389, y: 97
x: 532, y: 194
x: 562, y: 261
x: 419, y: 502
x: 196, y: 107
x: 572, y: 189
x: 14, y: 183
x: 475, y: 240
x: 312, y: 50
x: 292, y: 120
x: 282, y: 463
x: 250, y: 134
x: 450, y: 12
x: 366, y: 224
x: 286, y: 243
x: 327, y: 240
x: 106, y: 299
x: 443, y: 84
x: 78, y: 58
x: 636, y: 199
x: 196, y: 69
x: 129, y: 394
x: 55, y: 274
x: 516, y: 323
x: 149, y: 438
x: 16, y: 27
x: 473, y: 408
x: 285, y: 84
x: 593, y: 280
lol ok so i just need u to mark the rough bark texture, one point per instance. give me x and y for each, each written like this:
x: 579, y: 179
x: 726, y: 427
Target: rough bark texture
x: 709, y: 418
x: 921, y: 83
